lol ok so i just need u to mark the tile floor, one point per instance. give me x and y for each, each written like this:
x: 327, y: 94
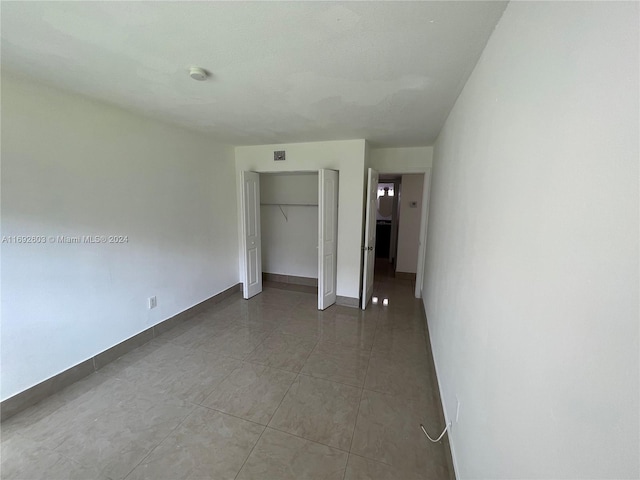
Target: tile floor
x: 263, y: 389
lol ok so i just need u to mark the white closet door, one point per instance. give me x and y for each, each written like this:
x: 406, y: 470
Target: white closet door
x: 328, y: 237
x: 250, y: 238
x: 370, y: 237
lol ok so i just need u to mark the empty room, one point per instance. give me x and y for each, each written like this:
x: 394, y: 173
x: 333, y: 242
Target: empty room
x: 376, y: 240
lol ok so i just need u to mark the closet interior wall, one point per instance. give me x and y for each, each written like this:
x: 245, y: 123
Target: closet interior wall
x: 289, y: 223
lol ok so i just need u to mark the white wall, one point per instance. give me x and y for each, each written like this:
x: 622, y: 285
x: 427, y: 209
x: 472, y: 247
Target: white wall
x: 409, y: 223
x: 72, y: 166
x: 290, y: 235
x: 289, y: 188
x: 346, y: 156
x: 401, y: 160
x: 531, y: 288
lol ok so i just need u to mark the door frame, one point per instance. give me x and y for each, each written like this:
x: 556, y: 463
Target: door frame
x: 424, y: 225
x: 241, y: 216
x: 424, y: 220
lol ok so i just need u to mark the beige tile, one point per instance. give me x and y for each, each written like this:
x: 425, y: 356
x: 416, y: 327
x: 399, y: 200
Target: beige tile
x: 252, y: 392
x: 287, y: 352
x: 24, y: 459
x: 133, y: 357
x: 45, y: 389
x: 308, y: 301
x: 132, y: 410
x: 247, y: 313
x: 30, y: 419
x: 263, y: 317
x: 401, y: 344
x: 349, y: 330
x: 120, y: 349
x: 359, y: 468
x: 338, y: 363
x: 277, y: 297
x: 198, y: 333
x: 397, y: 322
x: 237, y: 342
x: 224, y: 336
x: 307, y: 325
x: 188, y: 374
x: 279, y: 456
x: 400, y: 302
x: 112, y: 427
x: 348, y: 311
x: 388, y: 430
x: 410, y: 377
x: 319, y: 410
x: 207, y: 445
x: 179, y: 329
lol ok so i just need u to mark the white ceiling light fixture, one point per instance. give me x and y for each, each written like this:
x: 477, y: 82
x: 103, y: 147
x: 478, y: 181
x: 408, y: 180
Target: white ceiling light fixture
x: 199, y: 74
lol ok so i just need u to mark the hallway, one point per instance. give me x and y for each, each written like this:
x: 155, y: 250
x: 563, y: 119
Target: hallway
x: 263, y: 389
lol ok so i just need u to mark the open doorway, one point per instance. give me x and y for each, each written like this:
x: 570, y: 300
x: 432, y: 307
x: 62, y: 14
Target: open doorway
x: 387, y: 216
x: 394, y: 231
x: 399, y: 219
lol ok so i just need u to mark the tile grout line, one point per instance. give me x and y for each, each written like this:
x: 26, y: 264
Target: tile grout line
x: 195, y: 407
x: 54, y: 451
x: 265, y: 428
x: 232, y: 415
x: 359, y: 403
x: 377, y: 460
x: 308, y: 439
x: 311, y: 375
x: 220, y: 382
x: 296, y: 376
x: 250, y: 452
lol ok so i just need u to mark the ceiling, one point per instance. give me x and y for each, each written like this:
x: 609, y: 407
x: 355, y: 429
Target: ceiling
x: 282, y: 72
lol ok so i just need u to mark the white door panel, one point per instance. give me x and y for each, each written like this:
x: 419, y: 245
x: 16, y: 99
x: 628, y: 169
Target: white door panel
x: 328, y: 237
x: 369, y: 247
x: 252, y: 250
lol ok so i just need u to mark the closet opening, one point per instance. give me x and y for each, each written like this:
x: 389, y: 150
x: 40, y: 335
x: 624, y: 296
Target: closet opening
x: 288, y: 225
x: 289, y: 228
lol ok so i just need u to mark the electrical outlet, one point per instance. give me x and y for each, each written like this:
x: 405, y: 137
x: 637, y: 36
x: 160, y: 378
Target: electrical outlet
x: 153, y: 302
x: 457, y: 409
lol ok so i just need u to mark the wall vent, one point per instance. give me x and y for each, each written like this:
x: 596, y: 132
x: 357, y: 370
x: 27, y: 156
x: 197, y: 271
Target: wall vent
x: 278, y: 155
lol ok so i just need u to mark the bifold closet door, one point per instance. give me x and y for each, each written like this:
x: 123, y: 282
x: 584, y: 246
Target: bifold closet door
x: 327, y: 237
x: 250, y: 238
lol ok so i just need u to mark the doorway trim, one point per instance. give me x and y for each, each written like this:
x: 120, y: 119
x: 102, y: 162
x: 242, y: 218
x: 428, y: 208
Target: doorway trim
x: 424, y: 217
x: 424, y: 225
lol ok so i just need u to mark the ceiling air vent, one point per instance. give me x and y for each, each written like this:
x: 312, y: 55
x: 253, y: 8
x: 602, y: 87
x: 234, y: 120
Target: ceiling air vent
x: 278, y: 155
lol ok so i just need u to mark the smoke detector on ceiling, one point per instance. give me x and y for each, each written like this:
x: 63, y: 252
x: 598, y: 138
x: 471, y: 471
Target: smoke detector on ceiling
x: 199, y: 74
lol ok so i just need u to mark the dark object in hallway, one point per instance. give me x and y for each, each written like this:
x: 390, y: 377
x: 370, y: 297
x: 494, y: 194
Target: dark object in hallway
x: 383, y: 239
